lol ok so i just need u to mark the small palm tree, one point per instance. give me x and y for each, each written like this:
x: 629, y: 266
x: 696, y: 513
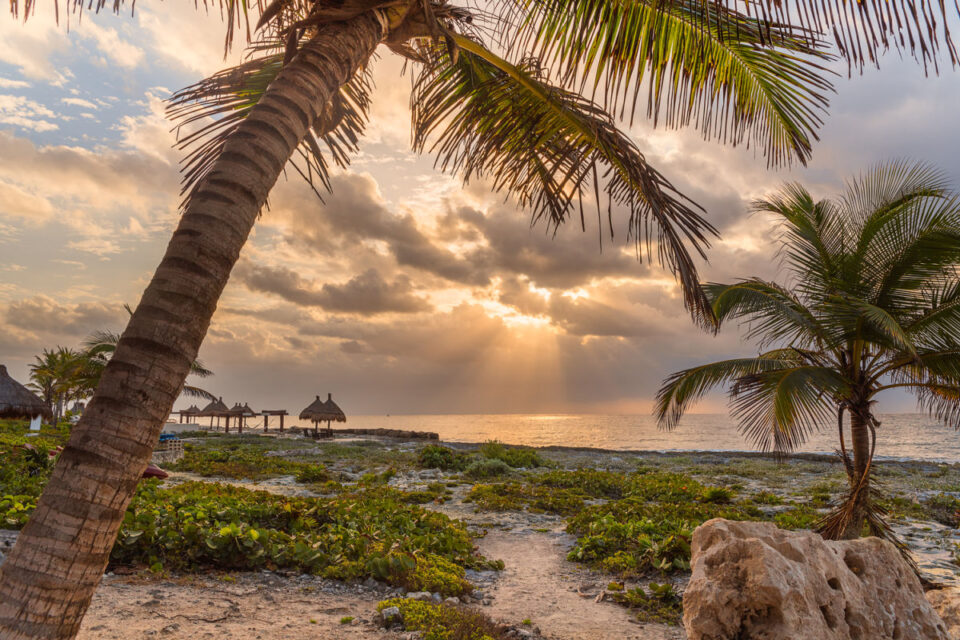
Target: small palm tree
x: 59, y: 376
x: 872, y: 304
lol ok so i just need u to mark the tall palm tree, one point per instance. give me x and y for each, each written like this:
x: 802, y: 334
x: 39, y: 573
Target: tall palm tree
x: 872, y: 304
x: 505, y: 116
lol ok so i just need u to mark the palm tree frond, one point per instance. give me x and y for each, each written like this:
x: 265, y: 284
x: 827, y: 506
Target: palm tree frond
x: 683, y: 388
x: 778, y: 409
x: 552, y: 149
x: 773, y: 313
x: 216, y: 105
x: 236, y: 13
x: 766, y: 85
x: 197, y: 392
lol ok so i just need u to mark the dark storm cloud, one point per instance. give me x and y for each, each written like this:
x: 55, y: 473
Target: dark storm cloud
x: 366, y: 294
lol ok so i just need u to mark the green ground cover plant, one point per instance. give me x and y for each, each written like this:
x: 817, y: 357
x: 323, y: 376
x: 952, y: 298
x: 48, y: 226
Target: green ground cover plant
x: 516, y: 457
x: 235, y: 460
x: 661, y: 604
x: 373, y: 533
x: 514, y: 496
x: 444, y: 622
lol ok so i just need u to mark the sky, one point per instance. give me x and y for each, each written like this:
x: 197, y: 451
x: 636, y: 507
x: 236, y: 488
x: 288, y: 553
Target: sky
x: 404, y: 291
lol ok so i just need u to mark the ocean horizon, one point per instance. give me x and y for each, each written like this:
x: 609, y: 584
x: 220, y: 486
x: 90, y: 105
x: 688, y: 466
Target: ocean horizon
x: 900, y: 436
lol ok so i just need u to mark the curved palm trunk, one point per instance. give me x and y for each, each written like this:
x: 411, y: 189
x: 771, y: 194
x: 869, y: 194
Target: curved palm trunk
x: 50, y: 575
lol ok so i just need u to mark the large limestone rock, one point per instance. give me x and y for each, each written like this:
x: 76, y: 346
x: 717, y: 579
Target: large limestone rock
x: 754, y: 581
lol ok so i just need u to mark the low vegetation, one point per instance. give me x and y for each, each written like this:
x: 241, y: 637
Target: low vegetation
x: 373, y: 533
x: 659, y: 603
x: 444, y: 622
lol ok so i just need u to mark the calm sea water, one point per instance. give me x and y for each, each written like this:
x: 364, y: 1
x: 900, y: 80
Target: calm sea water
x: 900, y: 435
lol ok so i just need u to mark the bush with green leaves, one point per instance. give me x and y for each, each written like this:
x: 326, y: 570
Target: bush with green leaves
x: 444, y: 622
x: 486, y: 468
x: 435, y: 456
x: 372, y: 533
x: 516, y: 457
x: 591, y: 483
x: 660, y: 605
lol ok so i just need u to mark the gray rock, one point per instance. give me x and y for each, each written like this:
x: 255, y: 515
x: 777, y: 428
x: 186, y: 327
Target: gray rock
x: 425, y: 596
x: 453, y: 601
x: 390, y: 616
x: 436, y: 597
x: 753, y: 580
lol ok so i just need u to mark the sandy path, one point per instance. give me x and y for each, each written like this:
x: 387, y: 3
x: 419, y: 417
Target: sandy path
x: 558, y: 596
x: 256, y: 606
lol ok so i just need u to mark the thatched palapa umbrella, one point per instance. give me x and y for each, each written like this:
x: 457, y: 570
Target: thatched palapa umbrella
x: 240, y: 412
x: 323, y: 411
x: 215, y: 409
x: 16, y: 401
x: 190, y: 412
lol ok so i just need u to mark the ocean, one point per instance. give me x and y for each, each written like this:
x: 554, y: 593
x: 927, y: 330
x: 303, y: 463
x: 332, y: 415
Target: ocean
x: 900, y: 436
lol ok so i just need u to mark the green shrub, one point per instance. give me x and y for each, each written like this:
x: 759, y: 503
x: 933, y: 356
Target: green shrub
x: 15, y: 510
x: 444, y: 622
x: 434, y: 456
x: 515, y: 457
x: 661, y: 605
x: 717, y: 495
x: 312, y: 473
x: 487, y: 468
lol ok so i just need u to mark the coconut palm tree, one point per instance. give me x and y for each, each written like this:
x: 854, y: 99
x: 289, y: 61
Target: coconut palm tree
x: 59, y: 376
x: 521, y: 118
x: 872, y: 304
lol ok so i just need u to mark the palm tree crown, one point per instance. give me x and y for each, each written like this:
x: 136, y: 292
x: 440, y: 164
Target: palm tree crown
x: 873, y: 303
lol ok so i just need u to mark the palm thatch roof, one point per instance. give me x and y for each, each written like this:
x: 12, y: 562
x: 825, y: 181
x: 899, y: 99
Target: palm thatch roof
x: 215, y: 408
x: 16, y: 401
x: 323, y: 411
x: 242, y: 410
x: 192, y: 410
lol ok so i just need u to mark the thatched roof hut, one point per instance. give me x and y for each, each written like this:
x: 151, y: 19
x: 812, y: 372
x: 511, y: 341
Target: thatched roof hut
x: 16, y: 401
x: 215, y: 408
x: 323, y: 411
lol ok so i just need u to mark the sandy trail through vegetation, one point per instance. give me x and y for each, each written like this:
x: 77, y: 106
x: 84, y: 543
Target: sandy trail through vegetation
x: 559, y: 597
x: 256, y: 606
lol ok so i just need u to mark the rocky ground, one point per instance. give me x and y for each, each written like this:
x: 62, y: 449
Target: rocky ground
x: 558, y: 599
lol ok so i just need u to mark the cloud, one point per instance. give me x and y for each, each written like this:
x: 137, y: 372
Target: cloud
x: 42, y: 314
x: 366, y: 294
x: 79, y: 102
x: 26, y: 114
x: 18, y: 203
x: 6, y: 83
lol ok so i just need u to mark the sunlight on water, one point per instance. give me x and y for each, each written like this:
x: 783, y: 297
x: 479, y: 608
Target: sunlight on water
x: 900, y: 435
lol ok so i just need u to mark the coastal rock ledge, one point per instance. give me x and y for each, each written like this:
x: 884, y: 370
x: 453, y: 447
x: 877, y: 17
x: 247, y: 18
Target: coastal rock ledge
x: 752, y: 580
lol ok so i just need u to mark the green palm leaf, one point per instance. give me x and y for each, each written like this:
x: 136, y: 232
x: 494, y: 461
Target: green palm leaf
x: 683, y: 388
x: 779, y: 409
x: 774, y: 313
x: 211, y: 109
x: 553, y: 150
x: 730, y: 75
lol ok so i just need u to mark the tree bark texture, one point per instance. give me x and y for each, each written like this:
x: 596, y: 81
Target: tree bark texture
x: 51, y: 574
x: 860, y: 442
